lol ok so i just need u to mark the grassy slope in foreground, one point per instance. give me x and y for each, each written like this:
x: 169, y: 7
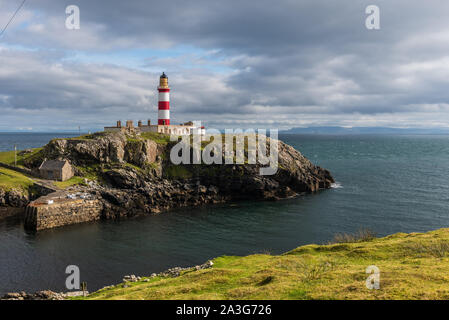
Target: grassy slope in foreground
x: 10, y: 179
x: 412, y: 266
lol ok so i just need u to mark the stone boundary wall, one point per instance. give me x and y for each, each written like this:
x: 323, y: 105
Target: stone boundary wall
x: 45, y: 216
x: 21, y: 170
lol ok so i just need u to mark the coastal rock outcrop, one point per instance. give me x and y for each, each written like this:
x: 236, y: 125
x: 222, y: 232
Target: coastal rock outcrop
x: 14, y: 198
x: 134, y: 175
x: 172, y: 272
x: 100, y: 148
x: 39, y: 295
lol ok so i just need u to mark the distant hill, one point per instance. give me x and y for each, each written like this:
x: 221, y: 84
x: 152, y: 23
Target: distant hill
x: 365, y: 130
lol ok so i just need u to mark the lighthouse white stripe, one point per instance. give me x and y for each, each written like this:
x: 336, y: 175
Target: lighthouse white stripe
x: 164, y: 96
x: 163, y: 114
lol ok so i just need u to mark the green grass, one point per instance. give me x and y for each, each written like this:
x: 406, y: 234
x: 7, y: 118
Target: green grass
x: 90, y: 136
x: 159, y: 138
x: 132, y: 139
x: 361, y: 235
x: 412, y: 266
x: 91, y: 172
x: 8, y: 157
x: 70, y: 182
x: 10, y: 179
x: 153, y: 165
x: 133, y: 166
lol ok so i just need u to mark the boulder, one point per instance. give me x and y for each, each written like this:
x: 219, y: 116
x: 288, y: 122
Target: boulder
x: 14, y: 198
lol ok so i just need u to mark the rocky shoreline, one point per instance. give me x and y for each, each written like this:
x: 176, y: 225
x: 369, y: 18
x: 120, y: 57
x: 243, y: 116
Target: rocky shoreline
x: 15, y: 198
x: 39, y: 295
x: 126, y: 176
x: 51, y: 295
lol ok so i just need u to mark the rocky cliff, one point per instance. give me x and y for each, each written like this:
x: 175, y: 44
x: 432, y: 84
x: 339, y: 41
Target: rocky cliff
x: 132, y: 174
x: 14, y: 197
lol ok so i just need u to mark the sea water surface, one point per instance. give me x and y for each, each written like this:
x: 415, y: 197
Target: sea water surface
x: 385, y: 183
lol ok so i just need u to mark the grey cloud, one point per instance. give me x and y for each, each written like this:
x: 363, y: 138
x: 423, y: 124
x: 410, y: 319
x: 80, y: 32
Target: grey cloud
x: 290, y: 62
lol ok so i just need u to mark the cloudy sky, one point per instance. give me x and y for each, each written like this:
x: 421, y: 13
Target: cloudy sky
x: 258, y: 64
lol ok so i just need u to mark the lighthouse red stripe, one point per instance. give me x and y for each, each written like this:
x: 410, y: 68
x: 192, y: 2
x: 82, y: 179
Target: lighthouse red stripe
x: 164, y: 105
x: 163, y: 122
x: 164, y: 90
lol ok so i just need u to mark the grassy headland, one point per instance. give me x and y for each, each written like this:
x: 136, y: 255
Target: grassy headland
x: 412, y: 266
x: 7, y: 157
x: 10, y: 179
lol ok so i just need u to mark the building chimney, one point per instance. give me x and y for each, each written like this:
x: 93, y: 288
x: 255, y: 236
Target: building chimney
x: 149, y: 122
x: 139, y: 123
x: 119, y: 124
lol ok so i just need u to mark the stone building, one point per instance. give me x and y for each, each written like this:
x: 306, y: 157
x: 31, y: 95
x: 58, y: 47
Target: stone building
x: 60, y: 170
x: 181, y: 129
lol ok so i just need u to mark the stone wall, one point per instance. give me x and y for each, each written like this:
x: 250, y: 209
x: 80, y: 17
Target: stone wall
x: 27, y: 171
x: 67, y: 172
x: 113, y: 129
x: 40, y: 216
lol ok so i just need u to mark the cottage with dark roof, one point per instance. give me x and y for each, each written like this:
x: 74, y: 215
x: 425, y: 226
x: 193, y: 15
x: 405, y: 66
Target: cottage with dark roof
x: 56, y: 170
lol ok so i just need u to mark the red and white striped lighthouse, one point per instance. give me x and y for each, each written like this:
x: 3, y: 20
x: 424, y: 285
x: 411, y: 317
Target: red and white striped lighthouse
x: 164, y: 101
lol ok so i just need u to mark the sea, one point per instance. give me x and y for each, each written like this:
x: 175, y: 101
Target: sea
x: 384, y: 183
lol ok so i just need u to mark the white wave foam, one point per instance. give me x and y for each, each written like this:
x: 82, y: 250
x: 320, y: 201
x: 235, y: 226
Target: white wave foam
x: 336, y: 185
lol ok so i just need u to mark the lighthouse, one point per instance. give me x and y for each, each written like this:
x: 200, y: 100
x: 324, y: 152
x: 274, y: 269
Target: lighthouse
x: 163, y: 125
x: 164, y: 101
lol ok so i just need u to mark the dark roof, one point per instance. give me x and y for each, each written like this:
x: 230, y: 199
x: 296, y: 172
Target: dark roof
x: 164, y: 75
x: 53, y: 164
